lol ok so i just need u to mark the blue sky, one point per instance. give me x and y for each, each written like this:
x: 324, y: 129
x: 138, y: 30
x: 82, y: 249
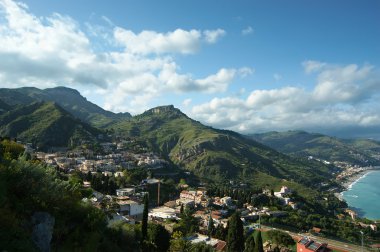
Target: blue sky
x: 249, y: 66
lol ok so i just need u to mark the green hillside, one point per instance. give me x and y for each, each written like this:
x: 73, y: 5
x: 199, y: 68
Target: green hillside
x: 69, y: 99
x: 46, y: 125
x: 217, y: 154
x: 4, y: 107
x: 302, y: 144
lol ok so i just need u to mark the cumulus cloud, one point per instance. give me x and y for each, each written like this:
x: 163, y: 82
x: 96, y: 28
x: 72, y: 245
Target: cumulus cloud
x: 311, y: 66
x: 133, y: 69
x: 212, y: 36
x: 146, y: 42
x: 247, y: 31
x: 343, y: 96
x: 187, y: 102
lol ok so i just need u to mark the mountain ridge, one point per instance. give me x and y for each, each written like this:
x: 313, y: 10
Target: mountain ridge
x: 213, y: 153
x: 45, y: 125
x: 362, y: 152
x: 68, y: 98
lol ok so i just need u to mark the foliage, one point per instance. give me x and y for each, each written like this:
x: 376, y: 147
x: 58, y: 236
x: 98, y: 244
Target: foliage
x: 46, y: 125
x: 259, y: 243
x: 158, y: 238
x: 144, y: 224
x: 188, y: 224
x: 27, y: 187
x: 67, y: 98
x: 249, y: 243
x: 280, y: 238
x: 301, y: 143
x: 235, y: 236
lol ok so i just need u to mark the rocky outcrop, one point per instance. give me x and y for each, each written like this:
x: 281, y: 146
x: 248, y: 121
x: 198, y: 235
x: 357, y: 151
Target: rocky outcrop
x: 43, y: 225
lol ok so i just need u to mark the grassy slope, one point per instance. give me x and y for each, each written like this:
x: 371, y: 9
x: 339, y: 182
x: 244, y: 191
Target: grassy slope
x: 67, y: 98
x: 362, y: 151
x: 218, y: 154
x: 45, y: 124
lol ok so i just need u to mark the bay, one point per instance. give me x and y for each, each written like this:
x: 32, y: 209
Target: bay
x: 363, y: 195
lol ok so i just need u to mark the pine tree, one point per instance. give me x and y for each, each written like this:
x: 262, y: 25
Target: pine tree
x: 235, y: 236
x: 259, y: 243
x: 250, y: 244
x: 144, y: 225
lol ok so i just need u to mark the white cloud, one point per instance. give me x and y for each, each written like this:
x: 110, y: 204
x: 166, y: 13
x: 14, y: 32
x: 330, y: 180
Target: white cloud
x: 247, y: 31
x: 131, y: 71
x: 146, y: 42
x: 311, y: 66
x: 212, y: 36
x: 246, y: 71
x: 187, y: 102
x: 343, y: 96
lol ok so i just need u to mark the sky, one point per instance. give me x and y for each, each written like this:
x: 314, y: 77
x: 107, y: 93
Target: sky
x: 248, y: 66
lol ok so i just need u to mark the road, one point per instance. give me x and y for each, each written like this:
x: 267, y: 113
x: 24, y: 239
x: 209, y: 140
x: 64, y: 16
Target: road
x: 333, y: 244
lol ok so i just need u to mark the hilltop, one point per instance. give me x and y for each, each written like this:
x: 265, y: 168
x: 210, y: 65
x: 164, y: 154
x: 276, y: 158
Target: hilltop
x: 362, y: 152
x: 69, y: 99
x: 218, y: 154
x: 45, y: 125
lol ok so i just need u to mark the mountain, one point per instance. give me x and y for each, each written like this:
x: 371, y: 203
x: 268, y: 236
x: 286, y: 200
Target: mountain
x: 69, y: 99
x: 218, y: 154
x: 45, y: 124
x: 300, y: 143
x: 4, y: 107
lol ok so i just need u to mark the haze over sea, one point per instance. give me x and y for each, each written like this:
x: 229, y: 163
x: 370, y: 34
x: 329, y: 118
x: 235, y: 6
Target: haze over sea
x: 364, y: 195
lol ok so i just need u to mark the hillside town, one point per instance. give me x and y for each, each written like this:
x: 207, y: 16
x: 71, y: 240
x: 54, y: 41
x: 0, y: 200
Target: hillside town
x: 126, y: 204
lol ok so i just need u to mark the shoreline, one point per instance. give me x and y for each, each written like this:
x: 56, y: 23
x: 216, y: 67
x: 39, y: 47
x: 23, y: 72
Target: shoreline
x: 353, y: 179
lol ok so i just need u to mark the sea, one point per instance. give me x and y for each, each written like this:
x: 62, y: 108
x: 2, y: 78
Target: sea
x: 363, y: 196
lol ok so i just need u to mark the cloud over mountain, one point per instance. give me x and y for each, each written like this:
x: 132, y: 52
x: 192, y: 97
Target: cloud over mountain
x: 54, y: 50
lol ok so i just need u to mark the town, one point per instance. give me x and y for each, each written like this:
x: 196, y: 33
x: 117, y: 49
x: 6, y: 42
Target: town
x: 121, y: 173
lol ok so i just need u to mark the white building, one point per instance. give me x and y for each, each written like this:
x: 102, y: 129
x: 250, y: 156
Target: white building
x: 125, y: 191
x: 131, y: 208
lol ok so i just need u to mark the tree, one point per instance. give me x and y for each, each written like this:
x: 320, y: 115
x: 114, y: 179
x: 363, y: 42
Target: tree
x: 181, y: 209
x: 250, y: 244
x: 177, y: 243
x: 158, y: 237
x: 144, y: 224
x: 280, y: 238
x: 210, y: 227
x: 259, y: 243
x: 235, y: 236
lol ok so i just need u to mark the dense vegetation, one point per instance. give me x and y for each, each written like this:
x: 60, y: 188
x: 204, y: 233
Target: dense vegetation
x: 218, y: 154
x: 28, y: 187
x: 67, y: 98
x: 299, y: 143
x: 46, y: 125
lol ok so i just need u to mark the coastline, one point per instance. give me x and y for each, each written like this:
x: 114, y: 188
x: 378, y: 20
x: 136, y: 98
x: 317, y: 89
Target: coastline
x: 351, y: 180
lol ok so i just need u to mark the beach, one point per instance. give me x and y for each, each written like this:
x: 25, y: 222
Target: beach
x: 362, y: 194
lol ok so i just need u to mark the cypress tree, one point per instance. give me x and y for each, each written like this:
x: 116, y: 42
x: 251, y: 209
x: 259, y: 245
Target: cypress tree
x: 144, y: 224
x: 210, y: 227
x: 259, y: 243
x: 235, y: 236
x: 250, y: 244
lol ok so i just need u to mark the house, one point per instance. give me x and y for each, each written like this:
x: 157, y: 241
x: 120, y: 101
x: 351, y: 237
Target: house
x: 125, y: 191
x: 307, y: 245
x: 226, y: 201
x: 218, y: 245
x: 131, y: 208
x: 119, y: 174
x: 316, y: 230
x: 284, y: 191
x: 185, y: 202
x: 163, y: 213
